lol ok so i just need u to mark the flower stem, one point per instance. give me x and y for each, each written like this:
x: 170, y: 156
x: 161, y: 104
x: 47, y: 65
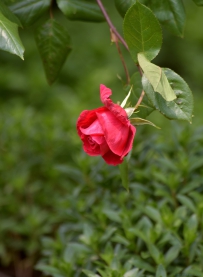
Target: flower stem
x: 114, y: 33
x: 115, y: 39
x: 140, y: 100
x: 112, y: 27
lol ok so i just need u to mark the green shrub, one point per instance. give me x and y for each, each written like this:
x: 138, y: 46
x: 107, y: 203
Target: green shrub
x: 33, y: 148
x: 155, y: 229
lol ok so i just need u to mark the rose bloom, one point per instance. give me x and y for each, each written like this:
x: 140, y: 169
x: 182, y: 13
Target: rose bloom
x: 106, y: 131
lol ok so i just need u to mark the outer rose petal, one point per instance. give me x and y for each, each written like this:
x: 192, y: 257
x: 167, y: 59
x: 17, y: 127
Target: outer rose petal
x: 104, y: 93
x: 119, y: 137
x: 117, y: 110
x: 112, y: 158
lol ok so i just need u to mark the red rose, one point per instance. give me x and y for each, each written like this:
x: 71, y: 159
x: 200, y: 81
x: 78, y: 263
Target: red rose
x: 106, y: 131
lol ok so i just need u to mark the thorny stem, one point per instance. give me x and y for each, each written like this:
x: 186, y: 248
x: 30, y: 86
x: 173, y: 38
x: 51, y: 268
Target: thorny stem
x: 119, y: 37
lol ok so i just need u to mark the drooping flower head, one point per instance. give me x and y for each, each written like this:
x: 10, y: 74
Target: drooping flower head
x: 106, y: 131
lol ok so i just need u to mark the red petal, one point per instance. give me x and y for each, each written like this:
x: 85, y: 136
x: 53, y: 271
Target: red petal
x: 129, y: 143
x: 102, y: 143
x: 86, y: 117
x: 112, y: 159
x: 94, y: 129
x: 119, y: 136
x: 104, y: 93
x: 89, y: 148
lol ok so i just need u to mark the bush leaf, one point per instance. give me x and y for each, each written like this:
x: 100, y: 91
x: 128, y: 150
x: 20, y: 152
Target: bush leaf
x: 53, y: 43
x: 9, y: 15
x: 182, y: 107
x: 28, y: 11
x: 161, y: 272
x: 142, y: 32
x: 157, y: 78
x: 198, y: 2
x: 123, y: 5
x: 171, y: 14
x: 9, y: 38
x: 87, y: 10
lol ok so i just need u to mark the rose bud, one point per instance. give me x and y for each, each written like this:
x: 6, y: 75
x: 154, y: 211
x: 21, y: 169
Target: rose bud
x: 106, y: 131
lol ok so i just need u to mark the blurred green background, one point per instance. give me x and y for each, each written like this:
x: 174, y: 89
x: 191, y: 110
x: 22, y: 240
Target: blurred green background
x: 42, y: 164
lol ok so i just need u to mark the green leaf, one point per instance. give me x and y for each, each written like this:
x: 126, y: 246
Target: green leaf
x: 198, y: 2
x: 53, y: 43
x: 85, y: 10
x: 161, y: 272
x: 124, y: 174
x: 142, y: 32
x: 193, y: 271
x: 140, y: 263
x: 132, y: 273
x: 123, y: 5
x: 140, y: 121
x: 171, y: 14
x: 182, y: 107
x: 157, y: 78
x: 28, y: 11
x: 186, y: 201
x: 51, y: 270
x: 153, y: 213
x: 146, y: 107
x: 9, y: 38
x: 90, y: 273
x: 112, y: 215
x: 154, y: 252
x: 8, y: 14
x: 172, y: 254
x: 190, y: 229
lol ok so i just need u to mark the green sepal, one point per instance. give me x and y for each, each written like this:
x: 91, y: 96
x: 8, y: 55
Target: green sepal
x: 136, y: 121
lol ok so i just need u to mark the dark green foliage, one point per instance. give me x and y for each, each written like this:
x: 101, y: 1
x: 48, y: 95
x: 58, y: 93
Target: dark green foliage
x: 85, y: 10
x: 28, y: 11
x: 53, y: 42
x: 156, y: 224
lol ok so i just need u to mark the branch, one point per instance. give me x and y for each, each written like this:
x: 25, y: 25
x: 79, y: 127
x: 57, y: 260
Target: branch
x: 140, y: 100
x: 112, y: 27
x: 115, y: 39
x: 115, y: 32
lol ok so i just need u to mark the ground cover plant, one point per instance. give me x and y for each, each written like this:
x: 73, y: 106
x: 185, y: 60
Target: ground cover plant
x: 64, y: 213
x: 155, y: 229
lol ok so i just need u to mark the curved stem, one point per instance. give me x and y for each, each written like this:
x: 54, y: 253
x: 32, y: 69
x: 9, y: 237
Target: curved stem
x: 140, y: 100
x: 121, y: 39
x: 115, y: 39
x: 112, y: 27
